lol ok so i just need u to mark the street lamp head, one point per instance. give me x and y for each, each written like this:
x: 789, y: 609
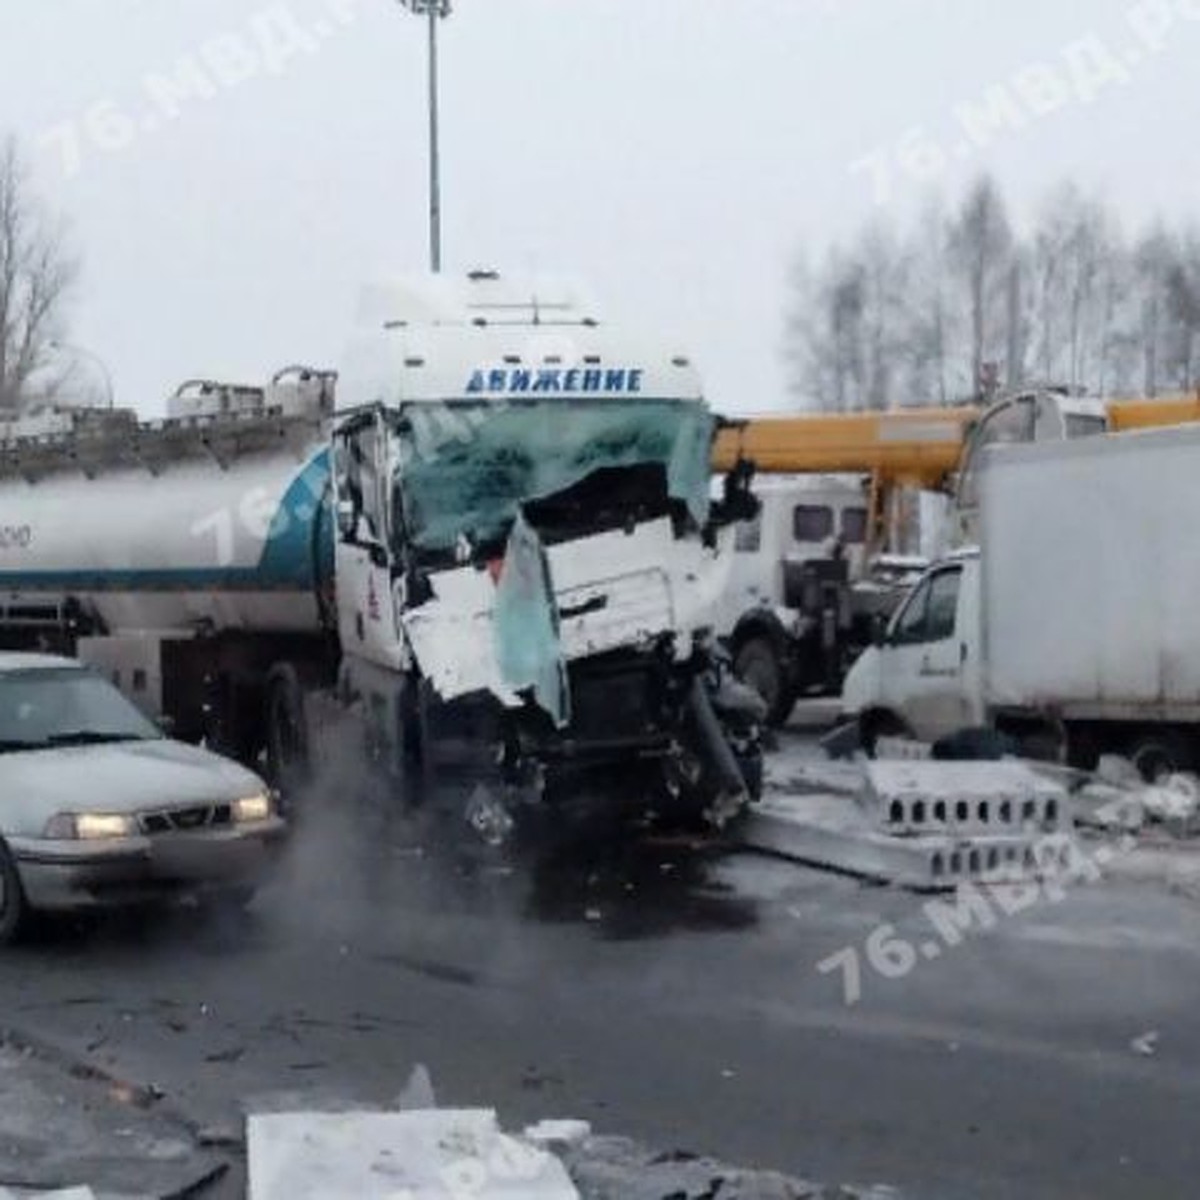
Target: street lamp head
x: 423, y: 8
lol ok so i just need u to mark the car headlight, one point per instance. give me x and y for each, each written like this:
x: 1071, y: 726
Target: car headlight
x: 91, y: 827
x: 252, y: 808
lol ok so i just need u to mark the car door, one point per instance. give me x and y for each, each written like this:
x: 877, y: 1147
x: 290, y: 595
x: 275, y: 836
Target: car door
x: 922, y: 669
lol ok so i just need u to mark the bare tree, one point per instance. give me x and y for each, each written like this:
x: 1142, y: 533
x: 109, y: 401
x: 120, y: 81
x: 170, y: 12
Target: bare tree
x: 825, y: 333
x: 885, y: 269
x: 1183, y: 309
x: 36, y: 276
x: 981, y: 244
x: 922, y: 320
x: 1073, y: 249
x: 1153, y: 263
x: 930, y: 323
x: 847, y: 334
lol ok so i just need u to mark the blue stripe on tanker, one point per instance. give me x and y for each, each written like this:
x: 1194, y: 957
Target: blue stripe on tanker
x: 297, y: 554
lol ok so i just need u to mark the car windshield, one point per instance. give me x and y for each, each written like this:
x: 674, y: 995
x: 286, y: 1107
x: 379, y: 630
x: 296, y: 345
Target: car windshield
x: 43, y: 708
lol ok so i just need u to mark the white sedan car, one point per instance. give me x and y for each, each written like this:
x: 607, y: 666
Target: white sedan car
x: 98, y: 808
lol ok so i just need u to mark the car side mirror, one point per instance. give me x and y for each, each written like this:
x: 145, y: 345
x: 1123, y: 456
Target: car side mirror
x: 166, y: 724
x: 879, y: 627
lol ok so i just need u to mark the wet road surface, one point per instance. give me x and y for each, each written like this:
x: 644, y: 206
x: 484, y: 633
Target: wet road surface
x: 664, y: 991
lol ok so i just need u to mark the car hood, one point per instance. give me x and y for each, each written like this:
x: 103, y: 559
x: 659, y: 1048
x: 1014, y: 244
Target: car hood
x: 118, y: 777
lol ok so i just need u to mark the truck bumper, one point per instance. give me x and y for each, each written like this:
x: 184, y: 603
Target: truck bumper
x: 62, y: 876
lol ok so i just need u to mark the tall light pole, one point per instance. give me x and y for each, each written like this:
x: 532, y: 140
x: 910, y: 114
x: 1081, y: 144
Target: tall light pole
x: 82, y: 352
x: 433, y: 11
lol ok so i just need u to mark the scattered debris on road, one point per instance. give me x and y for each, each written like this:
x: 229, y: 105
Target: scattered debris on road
x: 928, y: 821
x: 66, y: 1125
x: 1146, y: 1044
x: 438, y: 1153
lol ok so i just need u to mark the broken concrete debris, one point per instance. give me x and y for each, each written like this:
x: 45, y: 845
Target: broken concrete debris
x: 443, y: 1154
x: 417, y: 1093
x: 1117, y: 798
x: 608, y: 1168
x: 1145, y: 1044
x: 1176, y: 798
x: 928, y: 822
x: 433, y: 1154
x: 925, y: 824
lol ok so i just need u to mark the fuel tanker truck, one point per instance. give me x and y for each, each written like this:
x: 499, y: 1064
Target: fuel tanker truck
x: 488, y: 542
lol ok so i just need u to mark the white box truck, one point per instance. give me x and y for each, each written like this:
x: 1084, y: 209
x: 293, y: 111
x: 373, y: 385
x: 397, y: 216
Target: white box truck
x: 1074, y: 617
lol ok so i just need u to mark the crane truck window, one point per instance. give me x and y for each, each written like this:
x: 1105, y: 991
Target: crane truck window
x: 854, y: 526
x: 812, y: 522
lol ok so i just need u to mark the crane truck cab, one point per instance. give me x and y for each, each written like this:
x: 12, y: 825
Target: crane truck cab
x: 785, y: 611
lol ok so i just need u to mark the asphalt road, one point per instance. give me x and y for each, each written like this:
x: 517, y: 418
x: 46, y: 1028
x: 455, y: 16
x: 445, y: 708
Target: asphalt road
x: 666, y: 993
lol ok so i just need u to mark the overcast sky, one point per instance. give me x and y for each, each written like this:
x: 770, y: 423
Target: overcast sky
x: 675, y: 154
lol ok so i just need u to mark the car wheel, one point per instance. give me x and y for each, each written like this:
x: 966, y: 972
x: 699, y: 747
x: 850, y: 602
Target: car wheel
x: 14, y: 908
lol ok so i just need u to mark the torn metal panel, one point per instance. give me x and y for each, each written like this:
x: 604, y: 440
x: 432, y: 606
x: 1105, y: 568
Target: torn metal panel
x: 613, y: 590
x: 525, y: 629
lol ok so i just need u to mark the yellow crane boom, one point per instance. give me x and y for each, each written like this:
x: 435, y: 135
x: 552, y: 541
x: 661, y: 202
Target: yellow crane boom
x: 925, y: 448
x: 918, y: 447
x: 1143, y: 414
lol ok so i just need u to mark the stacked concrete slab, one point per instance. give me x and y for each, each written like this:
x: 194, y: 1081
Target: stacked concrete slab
x: 927, y: 824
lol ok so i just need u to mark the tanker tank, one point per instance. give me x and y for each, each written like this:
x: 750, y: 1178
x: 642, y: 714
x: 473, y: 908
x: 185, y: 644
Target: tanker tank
x: 214, y: 519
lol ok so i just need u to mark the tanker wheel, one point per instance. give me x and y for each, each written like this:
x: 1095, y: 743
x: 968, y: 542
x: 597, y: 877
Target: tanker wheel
x: 758, y: 665
x: 287, y: 731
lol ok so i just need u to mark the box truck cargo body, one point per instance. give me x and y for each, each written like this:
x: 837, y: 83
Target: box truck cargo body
x: 1074, y: 618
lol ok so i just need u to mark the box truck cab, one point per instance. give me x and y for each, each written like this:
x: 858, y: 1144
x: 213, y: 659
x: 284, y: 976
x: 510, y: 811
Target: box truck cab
x: 923, y: 677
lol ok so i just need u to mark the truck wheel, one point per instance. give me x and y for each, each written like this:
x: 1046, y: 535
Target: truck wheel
x: 287, y: 732
x: 874, y: 726
x: 14, y: 908
x: 1158, y: 755
x: 758, y: 665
